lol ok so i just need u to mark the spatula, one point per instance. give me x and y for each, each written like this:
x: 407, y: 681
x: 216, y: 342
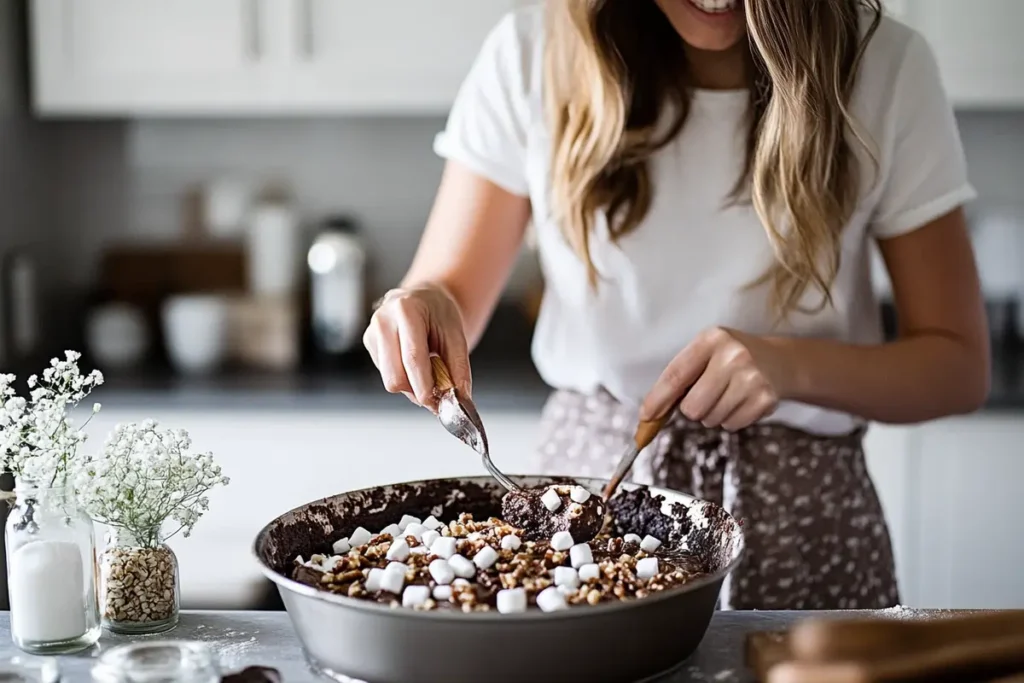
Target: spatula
x: 646, y: 430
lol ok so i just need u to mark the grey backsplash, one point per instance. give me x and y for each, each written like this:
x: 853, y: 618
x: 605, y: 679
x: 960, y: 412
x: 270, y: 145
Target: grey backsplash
x: 126, y: 179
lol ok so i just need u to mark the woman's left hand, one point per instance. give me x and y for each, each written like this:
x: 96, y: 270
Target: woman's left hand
x: 730, y: 380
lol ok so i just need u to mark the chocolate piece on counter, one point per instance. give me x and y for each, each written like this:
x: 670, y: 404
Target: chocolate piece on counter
x: 254, y: 674
x: 525, y: 510
x: 765, y: 649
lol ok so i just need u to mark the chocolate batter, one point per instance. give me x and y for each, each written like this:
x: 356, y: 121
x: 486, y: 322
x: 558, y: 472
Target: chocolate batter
x: 525, y: 510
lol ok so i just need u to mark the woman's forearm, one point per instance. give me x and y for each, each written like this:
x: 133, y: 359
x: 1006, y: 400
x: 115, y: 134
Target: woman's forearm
x: 917, y: 378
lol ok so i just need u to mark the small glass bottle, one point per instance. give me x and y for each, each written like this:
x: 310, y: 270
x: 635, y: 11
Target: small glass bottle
x: 51, y: 571
x: 166, y: 661
x: 139, y: 587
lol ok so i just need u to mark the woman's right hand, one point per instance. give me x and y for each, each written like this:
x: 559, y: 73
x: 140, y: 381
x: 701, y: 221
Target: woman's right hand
x: 408, y: 326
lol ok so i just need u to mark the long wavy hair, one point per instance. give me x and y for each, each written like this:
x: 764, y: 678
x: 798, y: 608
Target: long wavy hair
x: 616, y: 91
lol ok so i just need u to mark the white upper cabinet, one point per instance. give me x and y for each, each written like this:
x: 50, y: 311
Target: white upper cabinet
x: 977, y: 45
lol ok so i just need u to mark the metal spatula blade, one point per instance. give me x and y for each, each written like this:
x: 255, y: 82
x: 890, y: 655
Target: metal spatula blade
x: 644, y: 435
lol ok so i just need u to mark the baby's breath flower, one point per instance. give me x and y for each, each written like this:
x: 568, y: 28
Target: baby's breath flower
x: 145, y: 476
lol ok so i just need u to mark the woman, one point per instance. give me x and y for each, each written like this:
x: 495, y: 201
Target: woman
x: 706, y: 179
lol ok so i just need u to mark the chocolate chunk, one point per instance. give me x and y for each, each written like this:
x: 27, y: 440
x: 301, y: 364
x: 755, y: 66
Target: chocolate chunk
x: 525, y: 510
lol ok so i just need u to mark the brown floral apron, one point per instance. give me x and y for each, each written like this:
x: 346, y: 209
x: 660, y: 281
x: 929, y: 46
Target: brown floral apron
x: 816, y: 535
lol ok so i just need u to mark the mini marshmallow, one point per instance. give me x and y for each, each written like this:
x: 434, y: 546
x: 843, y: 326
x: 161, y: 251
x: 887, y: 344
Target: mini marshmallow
x: 566, y: 591
x: 460, y: 582
x: 373, y: 580
x: 414, y: 596
x: 647, y: 568
x: 578, y: 494
x: 551, y: 600
x: 399, y: 551
x: 429, y: 536
x: 649, y: 544
x: 589, y: 572
x: 511, y: 542
x: 552, y: 501
x: 580, y: 555
x: 443, y: 547
x: 407, y: 520
x: 442, y: 593
x: 486, y: 557
x: 392, y: 530
x: 299, y: 560
x: 341, y: 546
x: 512, y: 600
x: 462, y: 567
x: 359, y: 537
x: 415, y: 530
x: 432, y: 523
x: 419, y: 550
x: 562, y: 540
x: 475, y: 536
x: 441, y: 571
x: 394, y: 578
x: 568, y: 577
x: 632, y: 538
x: 330, y: 563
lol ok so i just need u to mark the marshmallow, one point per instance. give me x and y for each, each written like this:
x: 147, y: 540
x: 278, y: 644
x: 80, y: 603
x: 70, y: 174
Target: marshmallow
x: 429, y: 536
x: 566, y: 591
x: 415, y: 530
x: 432, y: 523
x: 567, y: 576
x: 393, y: 578
x: 486, y: 557
x: 649, y: 544
x: 552, y: 501
x: 578, y: 494
x: 511, y: 542
x: 589, y: 572
x: 443, y: 547
x: 373, y: 580
x: 647, y: 568
x: 475, y: 536
x: 414, y: 596
x: 359, y: 537
x: 580, y: 555
x: 551, y: 600
x: 442, y: 593
x: 399, y: 551
x: 460, y: 582
x: 512, y: 600
x: 462, y: 567
x: 441, y: 571
x: 299, y: 560
x: 392, y: 530
x: 632, y: 538
x: 330, y: 563
x: 407, y: 520
x: 341, y: 546
x: 419, y: 550
x: 562, y: 540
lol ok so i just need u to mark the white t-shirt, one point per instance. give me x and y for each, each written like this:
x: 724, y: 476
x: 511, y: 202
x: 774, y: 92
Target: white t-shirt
x: 686, y: 267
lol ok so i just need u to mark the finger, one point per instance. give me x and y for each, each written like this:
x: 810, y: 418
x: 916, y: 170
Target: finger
x: 370, y: 342
x: 749, y: 412
x: 389, y: 361
x: 680, y: 374
x: 455, y: 354
x: 705, y: 393
x: 735, y: 394
x: 415, y: 352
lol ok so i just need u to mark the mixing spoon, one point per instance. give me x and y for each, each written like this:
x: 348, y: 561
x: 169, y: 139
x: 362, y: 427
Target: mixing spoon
x: 460, y: 417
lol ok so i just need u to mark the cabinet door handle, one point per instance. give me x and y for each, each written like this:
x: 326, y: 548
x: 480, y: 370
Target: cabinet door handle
x: 252, y: 9
x: 306, y: 24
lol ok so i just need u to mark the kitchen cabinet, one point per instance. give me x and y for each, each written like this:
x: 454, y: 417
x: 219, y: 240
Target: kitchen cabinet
x: 254, y: 57
x: 977, y: 47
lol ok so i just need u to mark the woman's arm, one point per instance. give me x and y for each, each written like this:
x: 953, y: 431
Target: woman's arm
x: 470, y: 244
x: 938, y: 366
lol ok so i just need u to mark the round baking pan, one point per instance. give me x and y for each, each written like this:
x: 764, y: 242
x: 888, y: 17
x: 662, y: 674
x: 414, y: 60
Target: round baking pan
x: 357, y: 640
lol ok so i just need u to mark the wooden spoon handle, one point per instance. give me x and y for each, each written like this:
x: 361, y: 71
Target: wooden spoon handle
x: 646, y: 430
x: 442, y: 378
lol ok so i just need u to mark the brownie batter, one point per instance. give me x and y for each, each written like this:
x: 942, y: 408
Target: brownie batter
x: 525, y: 510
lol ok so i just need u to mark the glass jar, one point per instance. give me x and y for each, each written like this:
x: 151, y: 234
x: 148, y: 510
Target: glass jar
x: 51, y: 571
x: 139, y: 587
x: 165, y: 661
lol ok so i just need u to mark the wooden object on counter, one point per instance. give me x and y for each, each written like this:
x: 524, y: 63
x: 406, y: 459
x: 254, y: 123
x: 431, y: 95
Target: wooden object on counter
x: 963, y: 647
x: 145, y: 274
x: 264, y: 332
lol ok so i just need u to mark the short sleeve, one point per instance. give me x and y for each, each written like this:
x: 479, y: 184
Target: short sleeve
x: 486, y: 128
x: 927, y: 177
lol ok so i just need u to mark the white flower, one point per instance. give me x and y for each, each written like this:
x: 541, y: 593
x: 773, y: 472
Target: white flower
x: 145, y: 476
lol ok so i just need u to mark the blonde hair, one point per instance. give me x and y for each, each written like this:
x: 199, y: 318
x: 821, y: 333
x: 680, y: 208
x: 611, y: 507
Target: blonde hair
x: 616, y: 91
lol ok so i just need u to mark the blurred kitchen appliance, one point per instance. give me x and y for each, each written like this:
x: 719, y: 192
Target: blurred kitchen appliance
x: 225, y: 205
x: 117, y: 335
x: 195, y: 330
x: 273, y: 249
x: 337, y: 283
x: 263, y: 332
x: 21, y: 306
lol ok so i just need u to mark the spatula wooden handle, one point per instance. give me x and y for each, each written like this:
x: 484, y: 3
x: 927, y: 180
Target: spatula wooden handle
x: 646, y: 430
x: 442, y: 378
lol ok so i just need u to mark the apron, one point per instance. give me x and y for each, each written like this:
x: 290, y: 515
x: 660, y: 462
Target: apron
x: 816, y: 537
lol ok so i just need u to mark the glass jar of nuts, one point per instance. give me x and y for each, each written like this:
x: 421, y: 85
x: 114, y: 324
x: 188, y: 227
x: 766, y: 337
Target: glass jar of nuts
x: 139, y: 588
